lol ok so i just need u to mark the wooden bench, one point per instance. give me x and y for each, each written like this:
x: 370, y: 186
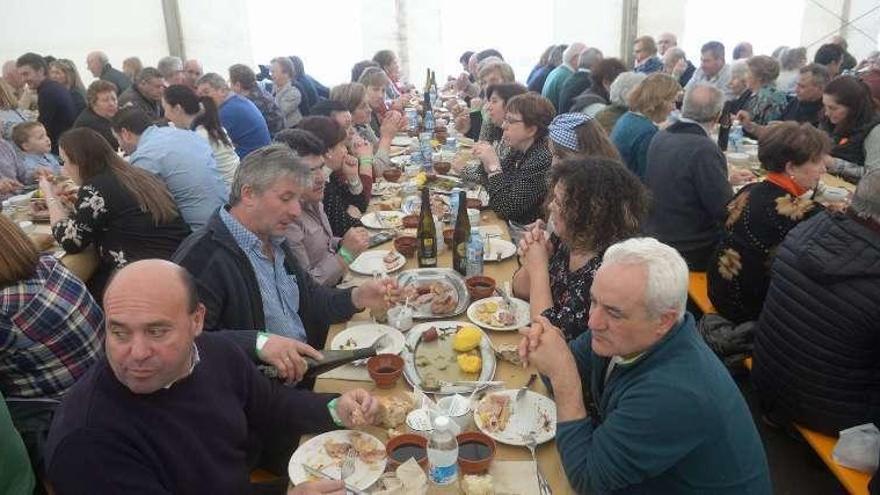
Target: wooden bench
x: 855, y: 482
x: 698, y: 291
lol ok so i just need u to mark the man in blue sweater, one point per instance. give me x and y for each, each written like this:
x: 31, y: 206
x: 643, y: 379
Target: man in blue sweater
x: 172, y: 410
x: 660, y: 413
x: 240, y: 117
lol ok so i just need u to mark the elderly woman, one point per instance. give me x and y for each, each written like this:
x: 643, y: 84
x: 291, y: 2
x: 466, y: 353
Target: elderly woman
x: 187, y: 111
x: 597, y: 97
x: 287, y: 96
x: 101, y: 97
x: 64, y: 72
x: 347, y: 191
x: 126, y: 212
x: 766, y: 102
x: 761, y: 214
x: 577, y: 135
x: 618, y: 104
x: 791, y: 62
x: 517, y: 183
x: 595, y: 203
x: 491, y: 71
x: 738, y: 87
x: 389, y: 63
x: 9, y: 112
x: 851, y: 120
x: 375, y: 81
x: 354, y: 97
x: 51, y: 329
x: 649, y: 105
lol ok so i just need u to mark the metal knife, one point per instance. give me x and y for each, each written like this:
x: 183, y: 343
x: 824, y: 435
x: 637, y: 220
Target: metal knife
x: 321, y: 474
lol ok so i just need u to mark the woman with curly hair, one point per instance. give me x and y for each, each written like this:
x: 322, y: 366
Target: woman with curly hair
x: 595, y: 203
x: 762, y: 213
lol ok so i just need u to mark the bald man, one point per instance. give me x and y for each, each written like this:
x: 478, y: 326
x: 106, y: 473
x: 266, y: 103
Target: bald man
x: 99, y: 65
x: 192, y: 71
x: 172, y: 410
x: 666, y: 41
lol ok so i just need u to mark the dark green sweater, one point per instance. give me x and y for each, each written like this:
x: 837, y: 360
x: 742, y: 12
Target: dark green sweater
x: 673, y: 421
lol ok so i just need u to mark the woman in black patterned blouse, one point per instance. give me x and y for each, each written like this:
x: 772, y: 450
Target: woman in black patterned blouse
x: 595, y: 202
x: 126, y: 212
x: 517, y: 184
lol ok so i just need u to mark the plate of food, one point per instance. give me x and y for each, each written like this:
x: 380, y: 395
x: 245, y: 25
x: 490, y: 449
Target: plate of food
x: 443, y: 183
x: 361, y: 336
x: 498, y: 249
x: 326, y: 452
x: 401, y: 160
x: 439, y: 354
x: 434, y: 292
x: 498, y: 416
x: 377, y: 261
x: 466, y: 142
x: 383, y: 219
x: 386, y: 188
x: 493, y: 313
x: 412, y: 205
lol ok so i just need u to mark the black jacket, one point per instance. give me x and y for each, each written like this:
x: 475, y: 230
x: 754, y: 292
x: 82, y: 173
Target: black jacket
x: 117, y: 77
x: 99, y: 124
x: 579, y: 82
x: 818, y: 337
x: 229, y: 290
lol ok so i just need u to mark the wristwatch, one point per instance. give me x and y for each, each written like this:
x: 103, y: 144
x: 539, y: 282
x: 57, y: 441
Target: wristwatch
x: 262, y: 338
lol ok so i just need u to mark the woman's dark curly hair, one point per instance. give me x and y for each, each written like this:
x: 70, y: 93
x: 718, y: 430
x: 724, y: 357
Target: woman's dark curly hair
x: 604, y: 202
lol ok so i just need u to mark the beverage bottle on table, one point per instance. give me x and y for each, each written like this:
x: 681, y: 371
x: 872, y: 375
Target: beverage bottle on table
x: 724, y: 129
x: 453, y: 205
x: 461, y: 236
x: 427, y: 234
x: 475, y: 252
x: 736, y: 136
x: 442, y: 453
x: 429, y: 115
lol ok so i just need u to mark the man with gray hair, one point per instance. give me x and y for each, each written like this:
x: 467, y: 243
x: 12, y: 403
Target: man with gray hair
x: 666, y: 41
x: 192, y: 69
x: 240, y: 117
x: 557, y: 77
x: 248, y: 277
x: 171, y: 68
x: 581, y: 80
x: 816, y: 346
x: 647, y: 407
x: 676, y: 64
x: 687, y: 175
x: 145, y: 94
x: 99, y: 65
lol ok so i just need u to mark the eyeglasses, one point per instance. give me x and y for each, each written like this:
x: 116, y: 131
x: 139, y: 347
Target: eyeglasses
x: 511, y: 121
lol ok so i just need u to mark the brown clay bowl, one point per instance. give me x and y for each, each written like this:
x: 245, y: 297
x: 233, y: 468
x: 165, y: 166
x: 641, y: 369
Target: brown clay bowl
x: 470, y: 465
x: 385, y: 369
x: 480, y: 286
x: 442, y: 168
x: 407, y: 440
x: 410, y: 222
x: 392, y: 174
x: 406, y: 245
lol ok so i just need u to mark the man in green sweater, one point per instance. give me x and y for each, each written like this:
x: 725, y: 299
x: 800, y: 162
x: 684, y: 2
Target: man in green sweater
x: 661, y: 413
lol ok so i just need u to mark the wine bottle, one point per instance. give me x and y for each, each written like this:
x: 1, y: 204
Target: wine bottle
x: 427, y: 233
x: 461, y: 236
x: 724, y: 124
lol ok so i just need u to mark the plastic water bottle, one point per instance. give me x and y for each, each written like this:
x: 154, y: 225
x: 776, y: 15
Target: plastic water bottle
x: 429, y: 121
x: 736, y: 137
x: 453, y: 205
x: 475, y: 253
x: 438, y: 228
x: 442, y: 453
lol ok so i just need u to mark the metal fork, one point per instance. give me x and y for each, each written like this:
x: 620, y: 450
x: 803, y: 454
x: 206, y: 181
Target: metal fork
x: 348, y: 465
x: 531, y: 444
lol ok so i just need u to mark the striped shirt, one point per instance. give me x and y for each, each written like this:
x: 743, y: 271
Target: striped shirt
x: 50, y: 332
x: 278, y: 288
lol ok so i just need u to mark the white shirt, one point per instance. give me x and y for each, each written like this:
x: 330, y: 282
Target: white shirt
x: 721, y: 80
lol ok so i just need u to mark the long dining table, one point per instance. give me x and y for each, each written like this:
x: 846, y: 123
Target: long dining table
x: 513, y: 376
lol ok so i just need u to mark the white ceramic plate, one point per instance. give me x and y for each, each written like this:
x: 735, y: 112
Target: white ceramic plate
x: 360, y: 336
x: 520, y: 310
x: 383, y: 188
x: 312, y: 453
x: 536, y: 413
x: 388, y: 219
x: 487, y: 354
x: 498, y: 250
x: 370, y: 262
x: 401, y: 160
x: 402, y: 141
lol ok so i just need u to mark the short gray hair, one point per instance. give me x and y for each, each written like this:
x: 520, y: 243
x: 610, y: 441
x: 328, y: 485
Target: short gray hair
x: 739, y: 69
x: 702, y: 102
x: 214, y: 80
x: 621, y: 87
x: 102, y: 57
x: 169, y: 65
x: 666, y: 284
x: 820, y: 73
x: 146, y: 74
x: 589, y: 57
x: 674, y: 54
x: 263, y: 166
x: 866, y: 199
x: 286, y: 66
x: 574, y: 50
